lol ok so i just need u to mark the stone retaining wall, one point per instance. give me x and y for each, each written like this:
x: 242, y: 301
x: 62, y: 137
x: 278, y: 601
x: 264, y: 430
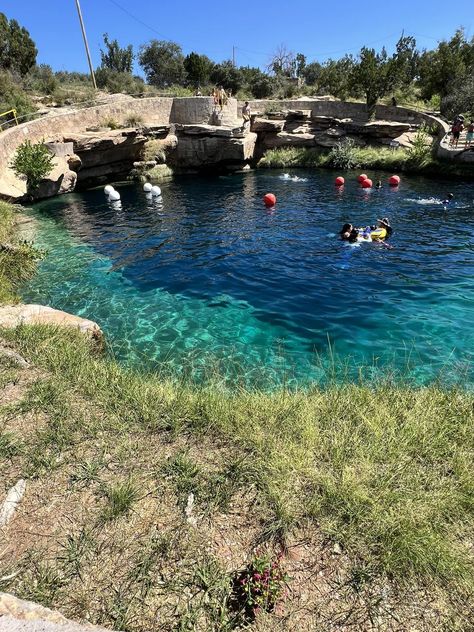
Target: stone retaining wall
x: 346, y: 109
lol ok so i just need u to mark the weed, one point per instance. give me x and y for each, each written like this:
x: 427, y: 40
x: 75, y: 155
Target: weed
x: 259, y: 586
x: 111, y: 123
x: 133, y: 120
x: 119, y: 499
x: 185, y: 475
x: 344, y: 155
x: 74, y: 549
x: 9, y: 445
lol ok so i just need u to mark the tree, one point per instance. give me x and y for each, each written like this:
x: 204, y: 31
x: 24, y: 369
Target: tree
x: 445, y: 66
x: 460, y: 99
x: 116, y: 58
x: 376, y: 74
x: 34, y: 161
x: 17, y: 49
x: 300, y: 64
x: 225, y: 74
x: 198, y: 68
x: 311, y: 73
x: 334, y: 78
x: 163, y: 63
x: 283, y: 62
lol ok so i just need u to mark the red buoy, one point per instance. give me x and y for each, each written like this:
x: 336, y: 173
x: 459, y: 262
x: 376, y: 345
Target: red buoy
x: 339, y: 181
x: 366, y: 184
x: 269, y: 199
x: 362, y: 177
x: 394, y: 181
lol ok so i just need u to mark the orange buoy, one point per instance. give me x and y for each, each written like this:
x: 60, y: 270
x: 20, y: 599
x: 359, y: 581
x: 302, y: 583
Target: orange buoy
x: 339, y: 181
x: 394, y: 181
x: 362, y: 177
x: 366, y: 184
x: 269, y: 199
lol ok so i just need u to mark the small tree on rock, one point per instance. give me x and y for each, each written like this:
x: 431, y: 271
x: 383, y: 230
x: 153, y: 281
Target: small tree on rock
x: 34, y: 161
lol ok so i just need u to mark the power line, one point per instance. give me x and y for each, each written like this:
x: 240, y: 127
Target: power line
x: 137, y: 19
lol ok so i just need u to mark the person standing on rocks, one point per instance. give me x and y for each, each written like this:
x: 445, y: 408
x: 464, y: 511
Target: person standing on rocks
x: 245, y: 115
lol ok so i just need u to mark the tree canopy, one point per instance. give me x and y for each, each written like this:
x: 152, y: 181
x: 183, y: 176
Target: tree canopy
x: 17, y: 49
x: 162, y: 62
x: 116, y: 58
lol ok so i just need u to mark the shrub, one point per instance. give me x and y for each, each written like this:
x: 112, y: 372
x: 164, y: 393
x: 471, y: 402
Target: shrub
x: 114, y: 81
x: 420, y: 151
x: 133, y: 120
x: 344, y: 155
x: 34, y: 161
x: 111, y: 123
x: 12, y: 96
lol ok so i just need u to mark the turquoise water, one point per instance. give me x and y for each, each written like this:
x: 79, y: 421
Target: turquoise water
x: 208, y: 281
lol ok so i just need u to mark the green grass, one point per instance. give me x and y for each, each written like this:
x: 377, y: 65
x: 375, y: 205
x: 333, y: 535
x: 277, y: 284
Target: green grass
x: 17, y: 264
x: 382, y: 158
x: 384, y: 470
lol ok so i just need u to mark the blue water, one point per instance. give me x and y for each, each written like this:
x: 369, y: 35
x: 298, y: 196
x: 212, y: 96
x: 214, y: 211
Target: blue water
x: 207, y: 281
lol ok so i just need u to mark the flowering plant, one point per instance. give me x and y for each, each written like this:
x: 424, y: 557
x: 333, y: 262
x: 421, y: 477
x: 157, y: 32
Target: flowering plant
x: 260, y: 585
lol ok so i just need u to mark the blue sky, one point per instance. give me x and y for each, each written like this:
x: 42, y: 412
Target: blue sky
x: 317, y: 29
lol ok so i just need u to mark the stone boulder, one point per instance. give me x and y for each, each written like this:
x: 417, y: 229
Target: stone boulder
x: 61, y: 180
x: 14, y: 315
x: 267, y: 125
x: 377, y: 130
x: 201, y: 146
x: 107, y: 147
x: 286, y: 139
x: 18, y: 615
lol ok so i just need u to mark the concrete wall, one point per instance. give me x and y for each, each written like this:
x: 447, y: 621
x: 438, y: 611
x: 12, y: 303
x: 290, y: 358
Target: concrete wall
x: 345, y: 109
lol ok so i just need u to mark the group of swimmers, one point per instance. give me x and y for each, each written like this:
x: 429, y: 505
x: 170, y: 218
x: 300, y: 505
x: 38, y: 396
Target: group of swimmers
x: 379, y: 232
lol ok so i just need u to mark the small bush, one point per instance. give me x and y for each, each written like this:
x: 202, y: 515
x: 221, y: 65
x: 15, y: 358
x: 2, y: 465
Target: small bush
x: 133, y: 120
x: 34, y: 161
x: 111, y: 123
x: 420, y: 151
x: 344, y: 155
x: 259, y: 586
x: 116, y: 82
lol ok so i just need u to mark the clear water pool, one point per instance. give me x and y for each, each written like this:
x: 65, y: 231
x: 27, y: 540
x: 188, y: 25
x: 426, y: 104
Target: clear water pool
x: 207, y: 281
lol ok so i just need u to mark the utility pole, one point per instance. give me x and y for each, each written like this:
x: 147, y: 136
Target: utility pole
x: 85, y: 43
x: 233, y: 56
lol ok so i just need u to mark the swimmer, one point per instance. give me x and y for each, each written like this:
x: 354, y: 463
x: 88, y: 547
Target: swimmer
x: 448, y: 200
x: 379, y: 184
x: 346, y: 231
x: 385, y: 223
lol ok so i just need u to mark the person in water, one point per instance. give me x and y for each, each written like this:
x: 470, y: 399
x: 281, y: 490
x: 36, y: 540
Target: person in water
x: 385, y: 223
x: 346, y: 231
x: 379, y: 184
x: 448, y: 200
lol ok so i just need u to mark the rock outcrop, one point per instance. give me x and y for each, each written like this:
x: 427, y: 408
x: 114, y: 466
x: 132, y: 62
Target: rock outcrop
x: 18, y: 615
x: 202, y: 146
x: 106, y: 155
x: 15, y: 315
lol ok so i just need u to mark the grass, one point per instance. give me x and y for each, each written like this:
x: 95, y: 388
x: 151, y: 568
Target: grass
x: 17, y: 259
x: 384, y: 471
x: 400, y: 160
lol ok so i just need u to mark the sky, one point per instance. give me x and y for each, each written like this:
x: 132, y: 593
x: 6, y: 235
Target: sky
x: 315, y: 28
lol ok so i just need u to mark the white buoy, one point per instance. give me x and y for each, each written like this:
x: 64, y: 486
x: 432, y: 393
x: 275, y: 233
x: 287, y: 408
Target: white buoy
x: 108, y: 189
x: 155, y: 190
x: 147, y: 187
x: 114, y: 195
